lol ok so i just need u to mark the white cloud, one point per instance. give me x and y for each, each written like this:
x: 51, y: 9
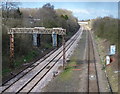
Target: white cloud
x: 92, y: 13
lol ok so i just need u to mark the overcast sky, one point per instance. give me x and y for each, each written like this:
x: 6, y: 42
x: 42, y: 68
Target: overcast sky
x: 82, y: 10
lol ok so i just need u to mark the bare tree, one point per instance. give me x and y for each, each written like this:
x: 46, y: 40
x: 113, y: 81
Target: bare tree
x: 7, y: 8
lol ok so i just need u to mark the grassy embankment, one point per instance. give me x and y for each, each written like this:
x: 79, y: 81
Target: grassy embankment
x: 106, y: 33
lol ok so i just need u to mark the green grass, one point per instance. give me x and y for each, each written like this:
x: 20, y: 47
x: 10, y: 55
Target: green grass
x: 31, y: 55
x: 67, y: 73
x: 5, y: 71
x: 21, y: 60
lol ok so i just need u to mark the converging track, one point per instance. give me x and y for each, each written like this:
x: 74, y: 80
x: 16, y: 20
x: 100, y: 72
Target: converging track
x: 93, y: 84
x: 28, y: 79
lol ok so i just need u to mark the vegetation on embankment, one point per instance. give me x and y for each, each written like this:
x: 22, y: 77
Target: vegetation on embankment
x: 106, y: 28
x: 46, y: 16
x: 106, y: 33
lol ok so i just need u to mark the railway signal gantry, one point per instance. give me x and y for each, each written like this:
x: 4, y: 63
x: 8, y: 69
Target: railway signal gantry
x: 35, y: 30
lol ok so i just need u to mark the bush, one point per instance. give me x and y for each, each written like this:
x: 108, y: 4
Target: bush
x: 106, y: 28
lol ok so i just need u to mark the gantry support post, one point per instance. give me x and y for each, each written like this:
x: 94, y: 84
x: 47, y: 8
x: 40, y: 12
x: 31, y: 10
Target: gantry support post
x: 38, y: 40
x: 11, y: 51
x: 63, y: 43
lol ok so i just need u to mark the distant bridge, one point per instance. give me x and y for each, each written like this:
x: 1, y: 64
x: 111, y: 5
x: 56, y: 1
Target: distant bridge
x: 81, y: 22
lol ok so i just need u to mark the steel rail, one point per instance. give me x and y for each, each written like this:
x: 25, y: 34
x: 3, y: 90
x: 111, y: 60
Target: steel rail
x: 91, y: 51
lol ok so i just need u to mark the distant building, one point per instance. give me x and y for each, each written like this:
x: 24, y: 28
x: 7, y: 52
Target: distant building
x: 81, y: 22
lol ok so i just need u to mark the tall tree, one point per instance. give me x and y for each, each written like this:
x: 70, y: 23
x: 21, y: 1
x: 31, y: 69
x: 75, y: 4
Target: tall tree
x: 47, y: 15
x: 49, y: 6
x: 17, y: 13
x: 8, y: 7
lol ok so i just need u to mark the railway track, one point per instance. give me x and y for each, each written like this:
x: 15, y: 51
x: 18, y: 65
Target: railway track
x: 31, y: 65
x: 93, y: 78
x: 93, y: 84
x: 26, y: 80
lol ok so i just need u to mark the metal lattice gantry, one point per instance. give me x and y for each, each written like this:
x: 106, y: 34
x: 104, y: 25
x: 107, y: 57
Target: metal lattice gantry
x: 35, y: 30
x: 38, y: 30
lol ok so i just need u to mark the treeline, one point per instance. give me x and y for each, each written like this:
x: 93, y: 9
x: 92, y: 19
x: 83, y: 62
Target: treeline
x: 106, y: 28
x: 50, y: 17
x: 47, y: 16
